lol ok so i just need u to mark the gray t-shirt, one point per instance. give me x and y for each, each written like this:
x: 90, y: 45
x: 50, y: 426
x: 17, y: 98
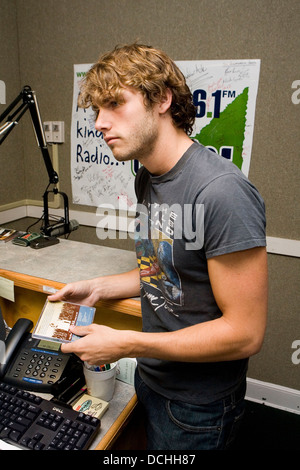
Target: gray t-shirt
x: 203, y: 207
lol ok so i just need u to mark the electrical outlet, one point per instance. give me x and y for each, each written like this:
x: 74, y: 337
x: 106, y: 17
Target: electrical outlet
x: 58, y: 132
x: 48, y: 131
x: 54, y: 132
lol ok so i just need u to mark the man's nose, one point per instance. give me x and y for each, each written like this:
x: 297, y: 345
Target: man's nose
x: 102, y: 122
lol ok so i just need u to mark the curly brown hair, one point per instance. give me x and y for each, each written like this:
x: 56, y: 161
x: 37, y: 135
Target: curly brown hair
x: 148, y: 70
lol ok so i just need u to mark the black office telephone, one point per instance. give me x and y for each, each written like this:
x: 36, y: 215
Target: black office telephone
x: 36, y: 365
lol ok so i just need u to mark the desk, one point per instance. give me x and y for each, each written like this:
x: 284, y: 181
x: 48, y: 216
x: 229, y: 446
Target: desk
x: 36, y: 273
x: 52, y: 267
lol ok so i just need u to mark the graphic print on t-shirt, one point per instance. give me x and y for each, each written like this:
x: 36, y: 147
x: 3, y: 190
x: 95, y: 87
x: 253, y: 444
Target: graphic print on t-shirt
x: 156, y: 263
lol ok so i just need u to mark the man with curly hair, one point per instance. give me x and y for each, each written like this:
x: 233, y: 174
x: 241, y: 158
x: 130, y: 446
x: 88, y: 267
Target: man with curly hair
x: 202, y: 263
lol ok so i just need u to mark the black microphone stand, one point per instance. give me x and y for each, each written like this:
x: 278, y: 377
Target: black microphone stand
x: 28, y: 100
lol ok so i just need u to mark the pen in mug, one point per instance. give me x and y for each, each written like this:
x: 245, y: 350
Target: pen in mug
x: 102, y: 368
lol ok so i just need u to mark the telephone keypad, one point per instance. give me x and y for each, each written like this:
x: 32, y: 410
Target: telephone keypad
x: 38, y: 366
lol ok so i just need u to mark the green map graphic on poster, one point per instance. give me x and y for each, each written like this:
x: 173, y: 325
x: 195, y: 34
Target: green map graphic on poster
x: 228, y: 129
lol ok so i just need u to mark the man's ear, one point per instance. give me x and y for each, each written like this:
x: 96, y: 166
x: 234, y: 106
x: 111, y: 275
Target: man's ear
x: 166, y: 101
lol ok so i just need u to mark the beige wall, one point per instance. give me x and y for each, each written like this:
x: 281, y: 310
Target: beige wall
x: 40, y: 42
x: 12, y: 183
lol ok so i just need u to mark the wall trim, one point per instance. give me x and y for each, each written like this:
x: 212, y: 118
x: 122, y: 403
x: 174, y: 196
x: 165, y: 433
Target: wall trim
x: 276, y: 396
x: 283, y: 246
x: 30, y: 208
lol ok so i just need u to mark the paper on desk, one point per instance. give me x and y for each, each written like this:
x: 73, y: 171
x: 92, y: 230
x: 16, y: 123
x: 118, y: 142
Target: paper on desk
x: 6, y: 446
x: 7, y: 289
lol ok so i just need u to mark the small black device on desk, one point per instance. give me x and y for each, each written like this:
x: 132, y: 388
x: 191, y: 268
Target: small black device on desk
x: 43, y: 241
x: 31, y: 422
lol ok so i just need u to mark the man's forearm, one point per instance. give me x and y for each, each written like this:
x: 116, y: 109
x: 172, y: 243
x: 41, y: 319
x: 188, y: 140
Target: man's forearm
x: 118, y: 286
x: 90, y: 291
x: 211, y: 341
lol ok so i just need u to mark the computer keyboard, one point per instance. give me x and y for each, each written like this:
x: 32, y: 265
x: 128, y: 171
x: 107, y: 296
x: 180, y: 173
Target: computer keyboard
x: 31, y: 422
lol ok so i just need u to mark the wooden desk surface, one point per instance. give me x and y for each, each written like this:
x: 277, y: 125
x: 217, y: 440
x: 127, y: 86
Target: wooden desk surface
x: 119, y: 412
x: 52, y: 267
x: 67, y: 261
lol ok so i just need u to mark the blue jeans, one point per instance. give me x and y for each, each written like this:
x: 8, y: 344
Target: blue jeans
x: 176, y: 425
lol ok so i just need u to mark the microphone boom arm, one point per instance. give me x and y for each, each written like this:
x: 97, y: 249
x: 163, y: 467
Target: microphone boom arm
x: 29, y: 101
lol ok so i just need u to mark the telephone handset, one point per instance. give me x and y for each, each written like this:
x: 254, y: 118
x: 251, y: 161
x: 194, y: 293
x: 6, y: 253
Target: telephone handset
x: 37, y: 365
x: 21, y: 327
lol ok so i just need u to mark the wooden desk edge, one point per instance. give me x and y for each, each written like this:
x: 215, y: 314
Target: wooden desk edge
x: 127, y: 306
x: 115, y: 430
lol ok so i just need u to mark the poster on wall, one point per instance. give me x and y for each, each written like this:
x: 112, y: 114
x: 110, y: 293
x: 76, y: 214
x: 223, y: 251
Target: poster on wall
x: 97, y: 178
x: 224, y: 93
